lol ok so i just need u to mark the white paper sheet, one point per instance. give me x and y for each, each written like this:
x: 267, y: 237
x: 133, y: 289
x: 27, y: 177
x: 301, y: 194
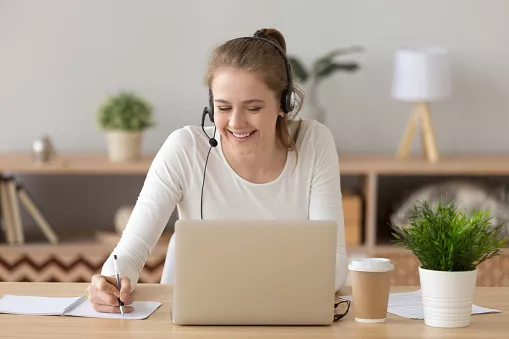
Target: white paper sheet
x: 142, y: 309
x: 409, y: 305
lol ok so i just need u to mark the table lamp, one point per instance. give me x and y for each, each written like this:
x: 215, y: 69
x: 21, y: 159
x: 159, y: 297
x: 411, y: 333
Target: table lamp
x: 421, y: 76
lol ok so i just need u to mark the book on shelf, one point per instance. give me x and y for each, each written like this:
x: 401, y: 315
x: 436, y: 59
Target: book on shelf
x: 15, y: 212
x: 7, y: 223
x: 13, y: 195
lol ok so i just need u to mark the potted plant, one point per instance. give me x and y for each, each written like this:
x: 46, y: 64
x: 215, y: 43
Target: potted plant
x: 124, y: 116
x: 450, y: 243
x: 320, y: 69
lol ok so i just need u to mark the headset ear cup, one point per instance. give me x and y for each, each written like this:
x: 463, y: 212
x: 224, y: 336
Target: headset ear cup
x: 290, y: 99
x: 211, y: 106
x: 284, y: 101
x: 287, y: 104
x: 211, y: 113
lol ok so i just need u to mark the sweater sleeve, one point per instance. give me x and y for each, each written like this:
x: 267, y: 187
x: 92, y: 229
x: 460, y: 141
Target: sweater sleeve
x: 326, y: 198
x: 162, y: 189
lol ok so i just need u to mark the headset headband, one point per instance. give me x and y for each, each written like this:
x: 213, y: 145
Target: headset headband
x: 258, y: 36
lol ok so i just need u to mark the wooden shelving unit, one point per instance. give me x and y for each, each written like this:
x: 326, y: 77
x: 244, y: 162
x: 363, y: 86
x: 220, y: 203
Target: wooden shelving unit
x: 366, y: 171
x: 366, y: 168
x: 370, y: 169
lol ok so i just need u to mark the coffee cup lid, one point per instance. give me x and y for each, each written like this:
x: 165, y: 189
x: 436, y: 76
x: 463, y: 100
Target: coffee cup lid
x: 371, y: 265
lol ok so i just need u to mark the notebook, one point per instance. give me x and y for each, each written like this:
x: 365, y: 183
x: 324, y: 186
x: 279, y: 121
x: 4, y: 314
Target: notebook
x: 74, y: 306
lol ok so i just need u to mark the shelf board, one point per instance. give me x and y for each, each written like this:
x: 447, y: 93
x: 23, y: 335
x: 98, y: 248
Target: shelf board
x: 350, y: 164
x: 387, y: 248
x: 35, y: 237
x: 356, y: 249
x: 73, y: 163
x: 448, y: 164
x: 74, y: 242
x: 363, y: 249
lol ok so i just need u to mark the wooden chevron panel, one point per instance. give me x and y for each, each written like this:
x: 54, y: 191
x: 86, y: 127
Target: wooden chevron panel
x: 72, y: 262
x: 493, y: 272
x: 70, y: 268
x: 77, y: 263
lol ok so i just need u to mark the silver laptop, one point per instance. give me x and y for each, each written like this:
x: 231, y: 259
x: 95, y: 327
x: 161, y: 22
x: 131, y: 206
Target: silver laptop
x: 254, y: 272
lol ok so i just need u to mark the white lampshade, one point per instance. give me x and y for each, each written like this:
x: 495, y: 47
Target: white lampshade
x: 421, y: 75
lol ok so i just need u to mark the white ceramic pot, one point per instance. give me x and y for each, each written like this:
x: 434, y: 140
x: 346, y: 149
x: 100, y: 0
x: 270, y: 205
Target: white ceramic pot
x: 447, y: 297
x: 312, y: 109
x: 124, y: 146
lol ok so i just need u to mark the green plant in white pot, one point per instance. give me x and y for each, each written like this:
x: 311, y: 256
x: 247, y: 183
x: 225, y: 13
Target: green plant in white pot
x: 123, y: 117
x: 450, y: 244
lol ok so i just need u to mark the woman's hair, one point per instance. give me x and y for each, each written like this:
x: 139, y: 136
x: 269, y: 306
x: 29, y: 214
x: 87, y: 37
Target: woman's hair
x: 264, y: 59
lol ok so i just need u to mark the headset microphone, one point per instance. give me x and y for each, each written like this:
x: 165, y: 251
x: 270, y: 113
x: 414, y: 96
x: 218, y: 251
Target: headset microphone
x: 213, y: 142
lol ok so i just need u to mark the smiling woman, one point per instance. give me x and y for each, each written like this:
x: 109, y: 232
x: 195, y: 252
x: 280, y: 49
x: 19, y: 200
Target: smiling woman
x: 262, y: 164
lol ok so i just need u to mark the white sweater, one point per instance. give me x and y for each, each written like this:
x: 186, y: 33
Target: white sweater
x: 309, y: 190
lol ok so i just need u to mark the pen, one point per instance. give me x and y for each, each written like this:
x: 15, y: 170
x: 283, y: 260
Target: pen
x: 118, y: 283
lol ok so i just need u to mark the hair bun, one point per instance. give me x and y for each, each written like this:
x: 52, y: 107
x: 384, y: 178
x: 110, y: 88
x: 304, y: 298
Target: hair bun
x: 260, y: 33
x: 272, y: 34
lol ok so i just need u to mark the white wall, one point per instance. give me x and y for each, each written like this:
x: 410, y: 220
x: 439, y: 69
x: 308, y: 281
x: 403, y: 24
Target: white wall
x: 475, y: 32
x: 59, y: 59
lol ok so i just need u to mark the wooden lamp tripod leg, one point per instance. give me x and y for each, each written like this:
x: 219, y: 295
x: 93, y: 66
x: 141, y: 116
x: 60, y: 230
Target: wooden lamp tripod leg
x: 408, y: 135
x: 429, y: 145
x: 428, y: 134
x: 424, y: 142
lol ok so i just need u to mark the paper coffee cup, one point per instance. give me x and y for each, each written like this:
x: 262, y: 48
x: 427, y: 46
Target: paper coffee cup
x: 371, y: 282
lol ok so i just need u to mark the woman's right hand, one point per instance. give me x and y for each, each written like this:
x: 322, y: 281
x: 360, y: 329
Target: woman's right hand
x: 103, y: 294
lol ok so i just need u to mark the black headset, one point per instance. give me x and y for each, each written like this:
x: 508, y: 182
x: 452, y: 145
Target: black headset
x: 287, y: 96
x: 287, y: 101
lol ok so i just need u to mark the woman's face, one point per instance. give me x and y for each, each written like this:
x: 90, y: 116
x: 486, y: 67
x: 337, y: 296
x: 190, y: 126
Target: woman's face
x: 245, y: 111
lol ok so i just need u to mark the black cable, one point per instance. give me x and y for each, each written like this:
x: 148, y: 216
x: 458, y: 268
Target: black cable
x: 205, y: 171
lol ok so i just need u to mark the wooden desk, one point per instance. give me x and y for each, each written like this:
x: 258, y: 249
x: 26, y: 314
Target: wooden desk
x: 159, y: 324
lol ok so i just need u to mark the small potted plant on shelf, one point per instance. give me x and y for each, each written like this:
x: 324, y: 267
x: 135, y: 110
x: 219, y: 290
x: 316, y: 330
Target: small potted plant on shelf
x: 450, y: 243
x: 124, y: 116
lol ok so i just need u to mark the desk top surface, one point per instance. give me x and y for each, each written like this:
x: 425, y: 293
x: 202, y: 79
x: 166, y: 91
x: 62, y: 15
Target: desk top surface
x: 159, y: 324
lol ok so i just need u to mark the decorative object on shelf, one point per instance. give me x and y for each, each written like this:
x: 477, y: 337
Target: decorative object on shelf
x: 449, y: 244
x: 466, y: 195
x: 421, y: 76
x: 122, y: 216
x: 124, y: 117
x: 43, y: 150
x: 322, y: 68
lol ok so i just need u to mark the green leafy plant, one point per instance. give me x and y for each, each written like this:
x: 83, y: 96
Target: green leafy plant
x: 445, y: 238
x: 125, y: 111
x: 323, y: 66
